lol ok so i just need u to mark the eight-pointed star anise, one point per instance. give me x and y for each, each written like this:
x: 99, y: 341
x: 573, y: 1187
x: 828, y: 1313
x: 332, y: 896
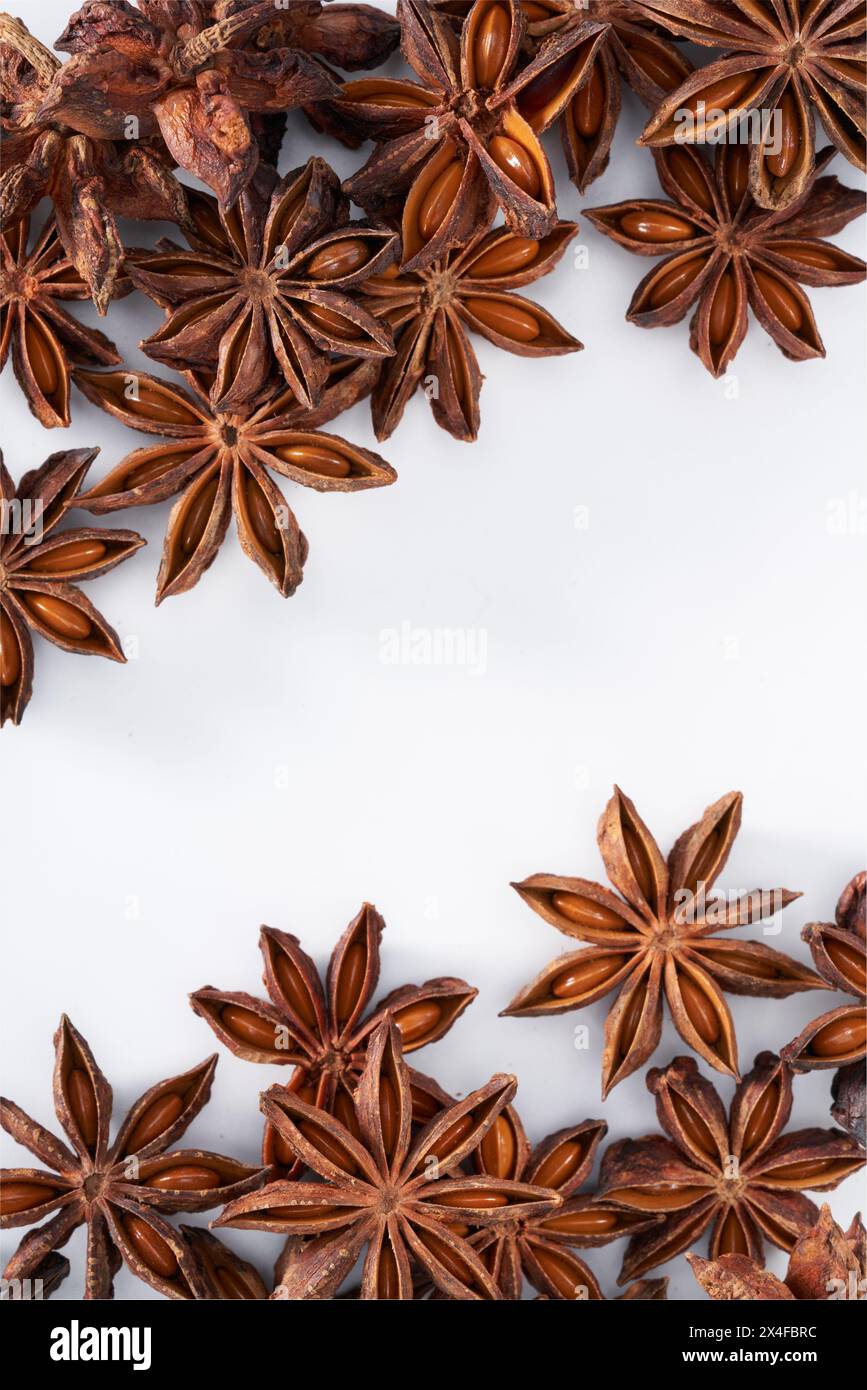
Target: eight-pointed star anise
x: 274, y: 283
x: 88, y: 181
x: 324, y: 1032
x: 39, y: 569
x: 658, y: 940
x: 726, y: 255
x: 826, y: 1263
x: 219, y: 462
x: 540, y: 1245
x: 121, y: 1191
x: 739, y: 1174
x: 793, y: 59
x: 430, y: 310
x: 379, y: 1188
x: 453, y: 146
x: 43, y: 337
x: 839, y: 950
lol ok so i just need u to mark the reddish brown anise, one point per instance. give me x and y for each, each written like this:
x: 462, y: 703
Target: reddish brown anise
x: 539, y: 1247
x: 89, y: 182
x: 849, y: 1096
x: 275, y: 283
x: 403, y: 1200
x: 454, y: 145
x: 40, y: 568
x: 792, y: 60
x: 323, y: 1030
x: 121, y: 1191
x: 223, y: 1274
x: 726, y: 255
x: 825, y: 1263
x: 44, y: 339
x: 739, y: 1174
x: 839, y: 950
x: 658, y: 940
x: 430, y: 312
x: 220, y: 463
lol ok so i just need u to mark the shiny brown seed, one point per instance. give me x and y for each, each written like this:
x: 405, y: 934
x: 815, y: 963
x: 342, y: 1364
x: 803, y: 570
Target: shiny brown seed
x: 387, y: 1278
x: 81, y: 1098
x: 453, y: 1137
x: 152, y: 468
x: 447, y: 1257
x: 699, y: 1010
x: 66, y: 559
x: 275, y: 1149
x: 198, y: 514
x: 318, y: 459
x: 516, y: 163
x: 248, y: 1027
x: 185, y: 1177
x: 561, y: 1272
x: 675, y: 281
x: 534, y: 13
x: 584, y: 976
x: 160, y: 406
x: 658, y: 1197
x: 261, y: 518
x: 585, y: 912
x: 632, y: 1018
x: 498, y: 1149
x: 683, y: 166
x: 60, y: 617
x: 732, y: 1238
x: 21, y: 1196
x: 561, y: 1164
x: 588, y: 106
x: 490, y: 45
x: 842, y: 1037
x: 304, y: 1213
x: 640, y: 863
x: 351, y: 980
x: 389, y: 1115
x: 786, y: 116
x: 152, y: 1250
x: 851, y: 961
x: 474, y: 1198
x: 417, y: 1021
x: 344, y: 1111
x: 42, y: 356
x: 337, y: 259
x: 723, y: 310
x: 333, y: 324
x: 722, y: 95
x: 155, y: 1121
x: 701, y: 868
x: 505, y: 257
x: 438, y: 200
x: 744, y: 963
x: 590, y: 1222
x: 510, y: 320
x: 657, y: 227
x: 294, y: 988
x: 329, y: 1147
x: 815, y: 257
x: 781, y: 301
x: 758, y: 1125
x: 694, y: 1126
x: 737, y: 174
x: 10, y: 653
x: 658, y: 67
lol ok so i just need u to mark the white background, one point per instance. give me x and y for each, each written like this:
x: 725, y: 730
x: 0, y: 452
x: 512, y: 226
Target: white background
x: 258, y: 761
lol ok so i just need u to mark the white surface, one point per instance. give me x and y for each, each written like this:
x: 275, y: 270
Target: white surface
x: 259, y: 762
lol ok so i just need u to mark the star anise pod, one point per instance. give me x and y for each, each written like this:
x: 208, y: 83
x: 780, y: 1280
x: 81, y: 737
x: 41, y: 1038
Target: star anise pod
x: 223, y: 1274
x: 275, y: 283
x: 539, y: 1246
x: 380, y: 1189
x: 121, y: 1191
x: 453, y: 146
x: 725, y: 255
x: 43, y: 337
x: 39, y: 569
x: 430, y: 311
x: 324, y: 1031
x: 658, y: 940
x: 219, y: 463
x: 190, y: 73
x: 89, y: 181
x: 839, y: 950
x: 739, y: 1174
x: 797, y: 59
x: 576, y: 76
x: 826, y: 1263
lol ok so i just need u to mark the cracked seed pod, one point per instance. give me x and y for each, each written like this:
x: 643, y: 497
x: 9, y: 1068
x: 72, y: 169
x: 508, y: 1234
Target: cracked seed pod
x: 839, y: 950
x: 826, y: 1263
x: 658, y: 941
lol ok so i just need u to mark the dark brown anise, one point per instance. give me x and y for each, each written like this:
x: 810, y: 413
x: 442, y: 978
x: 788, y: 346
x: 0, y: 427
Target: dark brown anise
x: 219, y: 463
x: 454, y: 145
x: 121, y: 1191
x: 273, y: 283
x: 740, y: 1174
x: 44, y: 339
x: 323, y: 1031
x: 849, y: 1096
x: 839, y: 950
x: 726, y: 255
x: 826, y: 1263
x: 223, y: 1274
x: 794, y: 59
x: 430, y: 312
x: 403, y: 1199
x: 658, y: 941
x: 89, y: 181
x: 40, y: 568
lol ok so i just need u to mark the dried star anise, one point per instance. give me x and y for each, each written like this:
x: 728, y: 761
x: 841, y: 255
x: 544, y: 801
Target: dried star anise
x: 539, y: 1246
x: 430, y: 311
x: 89, y: 181
x: 274, y: 282
x: 849, y: 1096
x: 39, y: 568
x: 223, y: 1273
x: 658, y: 939
x: 576, y: 75
x: 218, y: 462
x: 725, y: 254
x: 794, y: 58
x: 454, y: 145
x: 43, y: 337
x: 839, y: 950
x: 122, y: 1190
x: 378, y: 1188
x: 189, y: 72
x: 739, y: 1173
x: 324, y: 1032
x: 825, y: 1263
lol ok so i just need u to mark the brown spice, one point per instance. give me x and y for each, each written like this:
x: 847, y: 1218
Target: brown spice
x: 839, y: 949
x: 826, y: 1263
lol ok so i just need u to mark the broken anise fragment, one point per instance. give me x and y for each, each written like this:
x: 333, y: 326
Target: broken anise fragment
x: 826, y: 1262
